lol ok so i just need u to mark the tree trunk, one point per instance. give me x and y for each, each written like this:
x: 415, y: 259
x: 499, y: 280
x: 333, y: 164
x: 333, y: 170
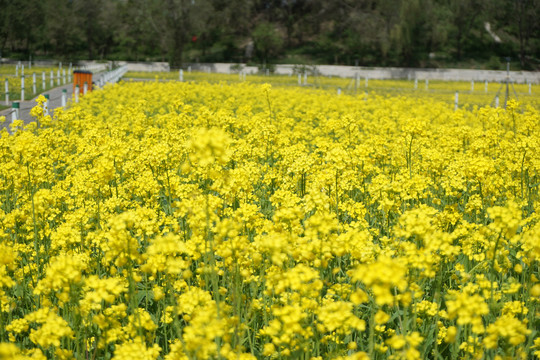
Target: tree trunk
x: 177, y: 24
x: 520, y: 12
x: 177, y: 49
x: 458, y: 43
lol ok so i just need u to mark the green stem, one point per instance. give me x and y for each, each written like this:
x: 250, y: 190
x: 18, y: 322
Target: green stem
x: 410, y: 156
x: 36, y: 233
x: 337, y: 195
x: 493, y: 262
x: 371, y: 340
x: 522, y: 163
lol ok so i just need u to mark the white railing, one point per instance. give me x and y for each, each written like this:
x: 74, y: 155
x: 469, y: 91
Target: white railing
x: 112, y: 76
x: 95, y: 68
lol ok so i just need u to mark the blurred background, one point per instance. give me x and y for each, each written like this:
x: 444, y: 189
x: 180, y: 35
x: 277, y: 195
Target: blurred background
x: 477, y: 34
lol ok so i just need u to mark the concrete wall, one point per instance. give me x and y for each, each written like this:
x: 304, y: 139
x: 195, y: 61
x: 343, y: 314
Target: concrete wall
x: 145, y: 66
x: 431, y: 74
x: 384, y: 73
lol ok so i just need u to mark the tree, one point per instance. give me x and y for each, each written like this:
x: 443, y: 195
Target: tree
x: 291, y: 14
x: 90, y: 14
x: 176, y: 22
x: 413, y: 34
x: 15, y: 29
x: 374, y: 32
x: 267, y: 40
x: 465, y: 15
x: 526, y: 14
x: 5, y: 27
x: 107, y: 27
x: 62, y: 32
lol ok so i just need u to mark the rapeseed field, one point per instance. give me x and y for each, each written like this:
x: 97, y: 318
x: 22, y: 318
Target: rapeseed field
x: 244, y: 221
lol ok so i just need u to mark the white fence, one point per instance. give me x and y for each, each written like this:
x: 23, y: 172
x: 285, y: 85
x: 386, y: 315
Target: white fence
x: 113, y: 76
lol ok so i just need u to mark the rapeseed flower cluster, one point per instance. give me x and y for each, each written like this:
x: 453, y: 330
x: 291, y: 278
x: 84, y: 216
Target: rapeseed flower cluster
x: 215, y: 221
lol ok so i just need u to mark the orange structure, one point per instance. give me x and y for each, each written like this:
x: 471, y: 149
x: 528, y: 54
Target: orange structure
x: 79, y: 78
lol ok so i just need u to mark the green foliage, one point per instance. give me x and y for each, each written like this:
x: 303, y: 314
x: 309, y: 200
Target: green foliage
x: 367, y: 33
x: 268, y: 42
x: 494, y: 63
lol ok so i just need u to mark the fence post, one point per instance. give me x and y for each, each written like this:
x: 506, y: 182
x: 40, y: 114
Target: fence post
x: 299, y: 79
x: 339, y: 91
x: 305, y: 78
x: 52, y: 78
x: 77, y: 93
x: 427, y: 84
x: 17, y: 70
x: 472, y: 85
x: 456, y: 98
x: 415, y: 83
x: 58, y: 76
x: 181, y: 75
x: 85, y: 88
x: 497, y: 101
x: 530, y: 88
x: 22, y: 87
x: 22, y: 70
x: 7, y: 91
x: 485, y: 86
x: 46, y: 105
x: 64, y: 97
x: 367, y: 80
x: 14, y: 111
x: 34, y: 90
x: 64, y: 76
